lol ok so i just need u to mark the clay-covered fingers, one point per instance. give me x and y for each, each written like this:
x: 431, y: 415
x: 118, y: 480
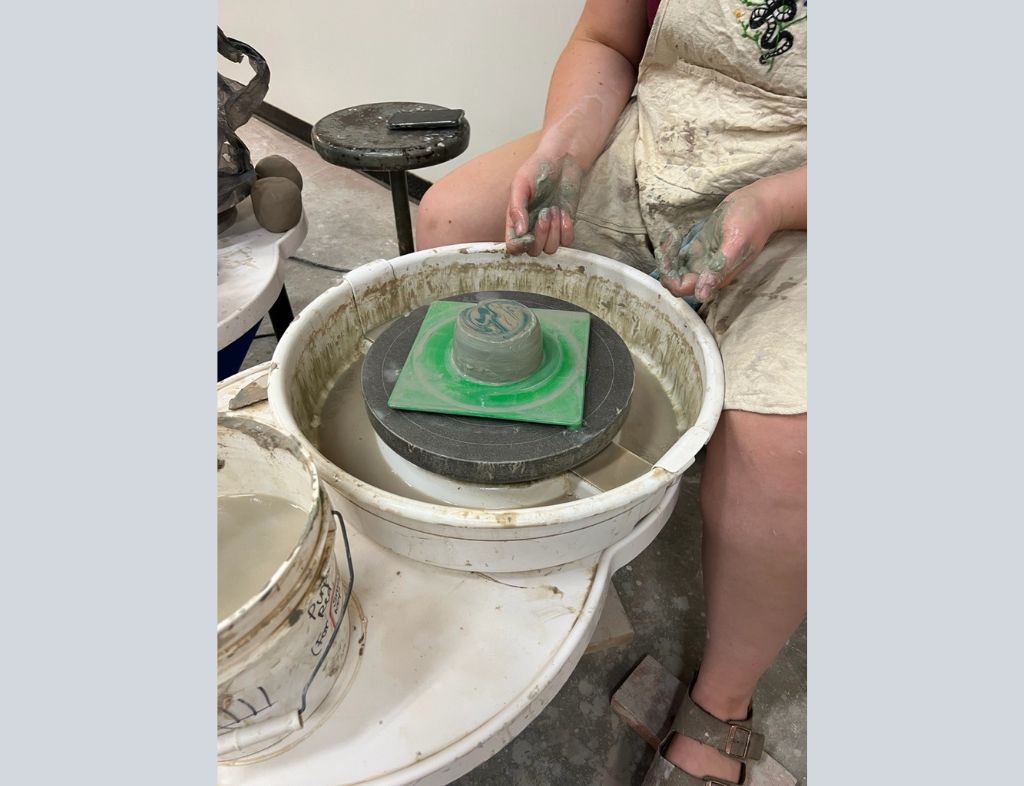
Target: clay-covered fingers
x: 568, y: 229
x: 666, y: 251
x: 518, y: 237
x: 554, y: 231
x: 680, y: 287
x: 542, y: 200
x: 541, y: 232
x: 517, y: 244
x: 548, y: 233
x: 519, y: 198
x: 672, y: 250
x: 674, y: 253
x: 707, y: 285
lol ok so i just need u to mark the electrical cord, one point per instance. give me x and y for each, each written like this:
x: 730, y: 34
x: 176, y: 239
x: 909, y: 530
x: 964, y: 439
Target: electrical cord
x: 320, y: 265
x: 311, y: 263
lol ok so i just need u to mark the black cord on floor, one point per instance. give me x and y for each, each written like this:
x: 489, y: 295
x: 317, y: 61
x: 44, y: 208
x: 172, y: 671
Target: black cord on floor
x: 320, y: 264
x: 310, y: 262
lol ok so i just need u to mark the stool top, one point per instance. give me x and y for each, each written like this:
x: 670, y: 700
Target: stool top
x: 359, y: 138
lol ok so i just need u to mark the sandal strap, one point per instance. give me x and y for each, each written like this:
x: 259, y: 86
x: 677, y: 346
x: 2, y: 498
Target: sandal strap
x: 735, y: 738
x: 664, y: 773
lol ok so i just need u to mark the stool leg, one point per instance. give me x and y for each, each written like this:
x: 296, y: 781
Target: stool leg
x: 403, y: 218
x: 281, y: 313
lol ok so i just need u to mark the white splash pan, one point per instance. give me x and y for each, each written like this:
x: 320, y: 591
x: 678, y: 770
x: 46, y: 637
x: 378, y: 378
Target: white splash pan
x: 447, y: 667
x: 663, y: 332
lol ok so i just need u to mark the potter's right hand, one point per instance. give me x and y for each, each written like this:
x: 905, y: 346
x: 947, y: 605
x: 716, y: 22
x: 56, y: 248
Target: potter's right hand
x: 542, y: 205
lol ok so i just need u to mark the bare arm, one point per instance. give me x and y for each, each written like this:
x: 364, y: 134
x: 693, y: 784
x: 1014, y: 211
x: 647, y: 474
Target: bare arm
x: 788, y: 193
x: 593, y: 79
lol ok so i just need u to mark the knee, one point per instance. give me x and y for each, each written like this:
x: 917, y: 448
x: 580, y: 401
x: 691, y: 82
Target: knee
x: 441, y: 219
x: 767, y: 451
x: 431, y: 225
x: 756, y: 470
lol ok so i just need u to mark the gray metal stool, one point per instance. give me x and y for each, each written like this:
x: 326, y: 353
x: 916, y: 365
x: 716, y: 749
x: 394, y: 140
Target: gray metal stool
x: 359, y: 138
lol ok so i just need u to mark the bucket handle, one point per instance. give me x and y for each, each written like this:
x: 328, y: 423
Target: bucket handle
x: 341, y: 617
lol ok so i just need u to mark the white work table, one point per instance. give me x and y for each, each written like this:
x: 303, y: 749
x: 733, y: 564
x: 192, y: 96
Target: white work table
x: 249, y: 275
x: 446, y: 666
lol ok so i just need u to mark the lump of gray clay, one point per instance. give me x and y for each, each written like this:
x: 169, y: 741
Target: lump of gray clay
x: 278, y: 166
x: 276, y: 203
x: 497, y: 341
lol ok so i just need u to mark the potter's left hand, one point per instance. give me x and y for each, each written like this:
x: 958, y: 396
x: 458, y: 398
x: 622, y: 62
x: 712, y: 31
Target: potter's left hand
x: 708, y: 256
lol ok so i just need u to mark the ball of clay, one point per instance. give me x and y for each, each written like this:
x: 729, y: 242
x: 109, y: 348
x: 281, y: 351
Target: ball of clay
x: 278, y: 166
x: 276, y: 203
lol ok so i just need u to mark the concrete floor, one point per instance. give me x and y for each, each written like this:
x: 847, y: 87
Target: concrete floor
x: 577, y: 740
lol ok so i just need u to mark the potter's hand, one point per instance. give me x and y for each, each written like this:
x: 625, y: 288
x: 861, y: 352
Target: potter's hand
x: 712, y: 253
x: 709, y: 255
x: 542, y: 204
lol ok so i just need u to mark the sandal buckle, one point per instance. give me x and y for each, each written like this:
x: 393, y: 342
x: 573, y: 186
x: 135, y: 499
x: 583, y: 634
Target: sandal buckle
x: 734, y: 733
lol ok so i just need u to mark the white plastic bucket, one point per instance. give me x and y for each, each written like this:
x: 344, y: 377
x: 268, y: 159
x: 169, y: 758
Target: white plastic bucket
x: 662, y: 331
x: 279, y: 654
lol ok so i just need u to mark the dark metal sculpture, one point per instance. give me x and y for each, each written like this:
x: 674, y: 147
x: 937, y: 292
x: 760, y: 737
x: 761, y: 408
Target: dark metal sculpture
x: 236, y: 103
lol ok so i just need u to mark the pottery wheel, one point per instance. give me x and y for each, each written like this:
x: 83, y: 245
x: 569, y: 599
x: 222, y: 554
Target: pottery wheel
x: 481, y: 450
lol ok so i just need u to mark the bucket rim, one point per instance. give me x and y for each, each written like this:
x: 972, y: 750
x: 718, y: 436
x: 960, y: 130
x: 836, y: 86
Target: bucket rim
x: 514, y: 522
x: 281, y: 440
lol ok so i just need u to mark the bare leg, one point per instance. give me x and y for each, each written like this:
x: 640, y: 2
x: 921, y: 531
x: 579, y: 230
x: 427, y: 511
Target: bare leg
x: 754, y: 502
x: 469, y: 204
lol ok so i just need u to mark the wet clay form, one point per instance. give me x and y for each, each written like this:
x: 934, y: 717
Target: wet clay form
x: 428, y: 410
x: 497, y: 341
x: 278, y: 166
x: 236, y: 103
x: 276, y: 203
x: 274, y: 183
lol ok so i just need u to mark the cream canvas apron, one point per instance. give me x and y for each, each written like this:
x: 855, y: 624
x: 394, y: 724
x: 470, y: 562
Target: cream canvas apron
x: 721, y: 101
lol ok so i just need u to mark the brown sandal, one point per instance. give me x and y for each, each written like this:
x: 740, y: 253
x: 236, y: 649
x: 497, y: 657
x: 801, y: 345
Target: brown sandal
x: 736, y: 739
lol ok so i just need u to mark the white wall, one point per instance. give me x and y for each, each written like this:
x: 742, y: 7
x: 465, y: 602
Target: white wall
x: 492, y: 58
